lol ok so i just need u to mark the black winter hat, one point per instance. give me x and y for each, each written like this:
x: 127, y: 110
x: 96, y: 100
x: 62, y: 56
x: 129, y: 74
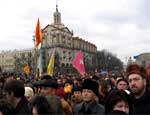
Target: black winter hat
x: 90, y: 84
x: 77, y: 88
x: 49, y: 83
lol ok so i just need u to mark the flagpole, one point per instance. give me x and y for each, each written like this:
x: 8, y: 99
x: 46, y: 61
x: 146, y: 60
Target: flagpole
x: 39, y: 37
x: 35, y: 55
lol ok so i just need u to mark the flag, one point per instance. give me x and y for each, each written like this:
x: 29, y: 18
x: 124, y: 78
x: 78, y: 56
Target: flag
x: 148, y: 69
x: 51, y: 64
x: 26, y: 69
x: 78, y: 63
x: 38, y: 34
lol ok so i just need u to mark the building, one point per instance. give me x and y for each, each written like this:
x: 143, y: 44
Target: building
x: 143, y: 59
x: 12, y: 60
x: 55, y: 36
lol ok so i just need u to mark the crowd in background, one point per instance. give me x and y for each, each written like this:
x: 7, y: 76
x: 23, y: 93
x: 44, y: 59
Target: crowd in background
x: 123, y: 94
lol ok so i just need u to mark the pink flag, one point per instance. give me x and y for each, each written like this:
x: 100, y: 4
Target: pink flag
x: 78, y: 63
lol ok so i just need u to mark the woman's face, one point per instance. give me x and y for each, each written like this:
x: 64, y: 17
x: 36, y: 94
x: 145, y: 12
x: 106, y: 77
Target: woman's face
x: 122, y: 106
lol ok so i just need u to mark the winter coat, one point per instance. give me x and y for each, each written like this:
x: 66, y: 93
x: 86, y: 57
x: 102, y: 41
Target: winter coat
x: 93, y: 108
x: 22, y: 108
x: 142, y: 105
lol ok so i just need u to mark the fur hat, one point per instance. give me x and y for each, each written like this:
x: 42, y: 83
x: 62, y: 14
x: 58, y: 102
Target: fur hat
x: 29, y: 92
x: 136, y: 69
x: 90, y: 84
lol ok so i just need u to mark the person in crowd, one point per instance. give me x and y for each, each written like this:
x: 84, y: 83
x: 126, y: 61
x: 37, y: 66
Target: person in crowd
x: 39, y: 105
x: 15, y: 91
x: 103, y: 90
x: 48, y: 88
x: 110, y: 85
x: 6, y: 108
x: 67, y: 109
x: 137, y: 76
x: 118, y: 100
x: 68, y: 86
x: 90, y: 105
x: 122, y: 84
x: 76, y: 97
x: 29, y: 93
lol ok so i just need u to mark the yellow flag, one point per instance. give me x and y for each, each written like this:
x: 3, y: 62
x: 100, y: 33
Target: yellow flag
x: 26, y: 69
x: 51, y: 64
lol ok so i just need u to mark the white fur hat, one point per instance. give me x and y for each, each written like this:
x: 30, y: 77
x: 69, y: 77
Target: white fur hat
x: 29, y: 92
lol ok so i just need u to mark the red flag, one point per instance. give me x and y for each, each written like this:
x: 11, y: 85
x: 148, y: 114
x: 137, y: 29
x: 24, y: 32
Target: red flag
x: 38, y: 34
x: 78, y: 63
x: 148, y: 69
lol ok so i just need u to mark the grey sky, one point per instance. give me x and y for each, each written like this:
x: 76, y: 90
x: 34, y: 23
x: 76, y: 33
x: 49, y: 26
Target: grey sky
x: 119, y: 26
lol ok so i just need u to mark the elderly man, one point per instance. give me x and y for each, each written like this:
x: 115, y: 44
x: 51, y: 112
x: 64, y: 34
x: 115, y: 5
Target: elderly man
x: 89, y: 105
x: 137, y: 83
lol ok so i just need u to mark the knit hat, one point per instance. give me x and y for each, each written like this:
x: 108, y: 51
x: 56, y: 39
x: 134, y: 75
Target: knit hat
x: 90, y: 84
x: 136, y: 69
x: 60, y: 92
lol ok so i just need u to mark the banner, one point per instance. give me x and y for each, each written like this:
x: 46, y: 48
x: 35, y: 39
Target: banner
x: 51, y: 64
x: 38, y: 34
x: 78, y: 63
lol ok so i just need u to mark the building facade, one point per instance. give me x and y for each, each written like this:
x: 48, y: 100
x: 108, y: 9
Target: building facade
x: 143, y: 59
x: 55, y: 36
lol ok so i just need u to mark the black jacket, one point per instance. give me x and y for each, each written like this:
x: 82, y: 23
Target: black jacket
x: 22, y: 108
x: 142, y: 105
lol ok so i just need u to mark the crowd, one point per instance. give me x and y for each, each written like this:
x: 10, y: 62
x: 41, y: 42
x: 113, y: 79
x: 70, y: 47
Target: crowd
x: 123, y: 94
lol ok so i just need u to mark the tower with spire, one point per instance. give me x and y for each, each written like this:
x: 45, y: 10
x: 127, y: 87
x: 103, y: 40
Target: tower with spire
x: 57, y: 16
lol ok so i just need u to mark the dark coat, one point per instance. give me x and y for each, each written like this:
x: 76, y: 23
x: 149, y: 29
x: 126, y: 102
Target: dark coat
x: 93, y: 108
x: 22, y: 108
x: 142, y: 105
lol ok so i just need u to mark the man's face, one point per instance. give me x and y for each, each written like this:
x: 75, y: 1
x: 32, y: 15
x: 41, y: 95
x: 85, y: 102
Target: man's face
x: 88, y: 95
x: 137, y: 84
x: 46, y: 91
x: 122, y: 85
x: 77, y: 94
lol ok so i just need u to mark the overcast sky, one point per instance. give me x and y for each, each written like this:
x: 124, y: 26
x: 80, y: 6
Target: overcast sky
x: 119, y: 26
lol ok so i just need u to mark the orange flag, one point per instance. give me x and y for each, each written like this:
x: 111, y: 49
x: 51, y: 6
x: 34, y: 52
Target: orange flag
x: 26, y: 69
x: 38, y: 34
